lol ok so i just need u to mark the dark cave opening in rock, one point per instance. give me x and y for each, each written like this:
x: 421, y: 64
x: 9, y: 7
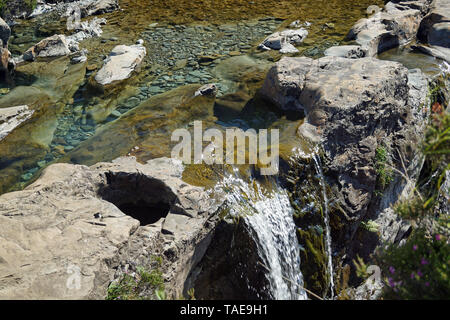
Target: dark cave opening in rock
x: 144, y: 212
x: 141, y: 197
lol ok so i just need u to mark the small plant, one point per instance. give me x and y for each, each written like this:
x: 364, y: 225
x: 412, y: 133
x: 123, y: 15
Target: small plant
x: 361, y: 268
x: 384, y: 174
x: 370, y: 226
x: 139, y: 285
x: 417, y: 270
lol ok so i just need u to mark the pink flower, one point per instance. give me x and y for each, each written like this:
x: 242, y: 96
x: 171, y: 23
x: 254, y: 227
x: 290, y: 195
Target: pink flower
x: 392, y: 269
x: 412, y: 275
x: 423, y: 261
x: 419, y: 273
x: 438, y: 237
x: 415, y: 247
x: 427, y: 284
x: 391, y: 282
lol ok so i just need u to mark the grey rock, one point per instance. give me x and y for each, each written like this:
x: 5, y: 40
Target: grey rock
x: 277, y: 40
x: 350, y: 51
x: 54, y: 46
x: 434, y: 51
x: 64, y: 236
x: 434, y: 28
x: 439, y: 34
x: 207, y: 90
x: 121, y: 63
x: 12, y: 117
x: 397, y: 24
x: 355, y: 106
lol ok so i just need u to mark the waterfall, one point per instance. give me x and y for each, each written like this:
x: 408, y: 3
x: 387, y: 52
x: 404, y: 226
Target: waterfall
x: 270, y: 216
x: 327, y: 222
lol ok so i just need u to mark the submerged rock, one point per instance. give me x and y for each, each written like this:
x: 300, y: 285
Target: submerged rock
x: 97, y: 219
x: 121, y: 63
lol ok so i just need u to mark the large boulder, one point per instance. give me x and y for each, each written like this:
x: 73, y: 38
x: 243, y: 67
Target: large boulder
x: 355, y: 107
x: 397, y: 24
x: 54, y: 46
x: 121, y: 63
x: 67, y: 235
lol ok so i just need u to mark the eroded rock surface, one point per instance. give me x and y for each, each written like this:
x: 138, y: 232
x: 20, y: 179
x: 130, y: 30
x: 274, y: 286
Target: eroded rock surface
x: 85, y: 222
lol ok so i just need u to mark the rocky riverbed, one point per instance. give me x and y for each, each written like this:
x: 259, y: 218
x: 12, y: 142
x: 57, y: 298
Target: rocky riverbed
x: 87, y: 111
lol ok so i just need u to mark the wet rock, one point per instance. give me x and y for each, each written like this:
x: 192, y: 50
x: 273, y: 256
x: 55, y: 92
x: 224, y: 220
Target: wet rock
x: 87, y: 29
x: 439, y: 35
x: 434, y: 28
x: 288, y: 48
x: 434, y: 51
x: 12, y: 117
x: 279, y: 40
x: 97, y: 7
x: 7, y: 64
x: 350, y: 51
x: 54, y: 46
x: 5, y: 33
x: 397, y: 24
x: 121, y: 63
x: 89, y: 219
x: 207, y: 90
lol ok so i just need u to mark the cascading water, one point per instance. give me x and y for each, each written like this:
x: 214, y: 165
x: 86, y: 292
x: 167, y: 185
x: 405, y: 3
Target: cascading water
x: 270, y: 216
x: 318, y: 166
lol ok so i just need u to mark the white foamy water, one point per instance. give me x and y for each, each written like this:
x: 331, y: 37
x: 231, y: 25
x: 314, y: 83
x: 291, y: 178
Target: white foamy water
x: 270, y: 216
x: 327, y: 223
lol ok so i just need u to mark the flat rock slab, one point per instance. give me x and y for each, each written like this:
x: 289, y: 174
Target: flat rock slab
x: 64, y: 236
x: 12, y: 117
x: 121, y: 63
